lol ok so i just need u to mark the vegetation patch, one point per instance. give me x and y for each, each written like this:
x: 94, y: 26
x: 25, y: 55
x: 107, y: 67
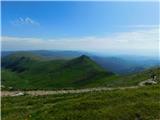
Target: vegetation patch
x: 131, y: 104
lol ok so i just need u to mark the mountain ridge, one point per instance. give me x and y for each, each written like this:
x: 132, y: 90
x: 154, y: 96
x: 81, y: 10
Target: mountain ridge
x: 37, y: 73
x: 118, y: 64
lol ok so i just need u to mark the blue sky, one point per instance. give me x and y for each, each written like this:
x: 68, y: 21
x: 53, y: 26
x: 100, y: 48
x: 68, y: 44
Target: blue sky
x: 74, y: 22
x: 68, y: 19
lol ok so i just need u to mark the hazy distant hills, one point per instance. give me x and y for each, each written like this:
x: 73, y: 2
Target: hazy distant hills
x: 121, y: 65
x: 116, y: 64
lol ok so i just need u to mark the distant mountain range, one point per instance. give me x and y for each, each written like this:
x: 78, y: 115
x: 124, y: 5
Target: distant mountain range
x: 26, y: 70
x: 32, y: 70
x: 117, y: 64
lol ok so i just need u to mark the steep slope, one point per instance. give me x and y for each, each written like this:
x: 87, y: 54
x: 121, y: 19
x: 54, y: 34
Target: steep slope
x: 22, y: 71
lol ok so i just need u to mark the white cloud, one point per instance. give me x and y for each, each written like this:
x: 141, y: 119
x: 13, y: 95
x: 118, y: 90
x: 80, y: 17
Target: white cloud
x: 138, y: 42
x: 140, y: 26
x: 24, y: 21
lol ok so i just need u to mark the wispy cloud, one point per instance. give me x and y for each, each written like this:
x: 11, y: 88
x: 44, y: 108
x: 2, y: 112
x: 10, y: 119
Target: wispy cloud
x: 24, y: 21
x: 140, y: 26
x: 138, y: 42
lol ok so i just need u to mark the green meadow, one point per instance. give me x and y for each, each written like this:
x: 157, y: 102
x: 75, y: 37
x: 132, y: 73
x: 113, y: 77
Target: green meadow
x: 132, y: 104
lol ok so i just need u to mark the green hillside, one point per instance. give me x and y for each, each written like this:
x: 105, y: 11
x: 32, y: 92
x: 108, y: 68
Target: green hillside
x: 131, y: 104
x: 26, y: 71
x: 126, y: 80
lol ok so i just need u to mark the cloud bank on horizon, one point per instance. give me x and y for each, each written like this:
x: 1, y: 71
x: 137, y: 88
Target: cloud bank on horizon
x: 141, y: 42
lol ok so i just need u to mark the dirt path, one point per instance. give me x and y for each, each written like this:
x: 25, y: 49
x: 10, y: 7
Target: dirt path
x: 42, y: 92
x: 149, y: 81
x: 53, y: 92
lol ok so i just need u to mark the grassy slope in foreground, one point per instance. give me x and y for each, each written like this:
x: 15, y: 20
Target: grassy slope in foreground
x: 26, y: 71
x: 141, y: 103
